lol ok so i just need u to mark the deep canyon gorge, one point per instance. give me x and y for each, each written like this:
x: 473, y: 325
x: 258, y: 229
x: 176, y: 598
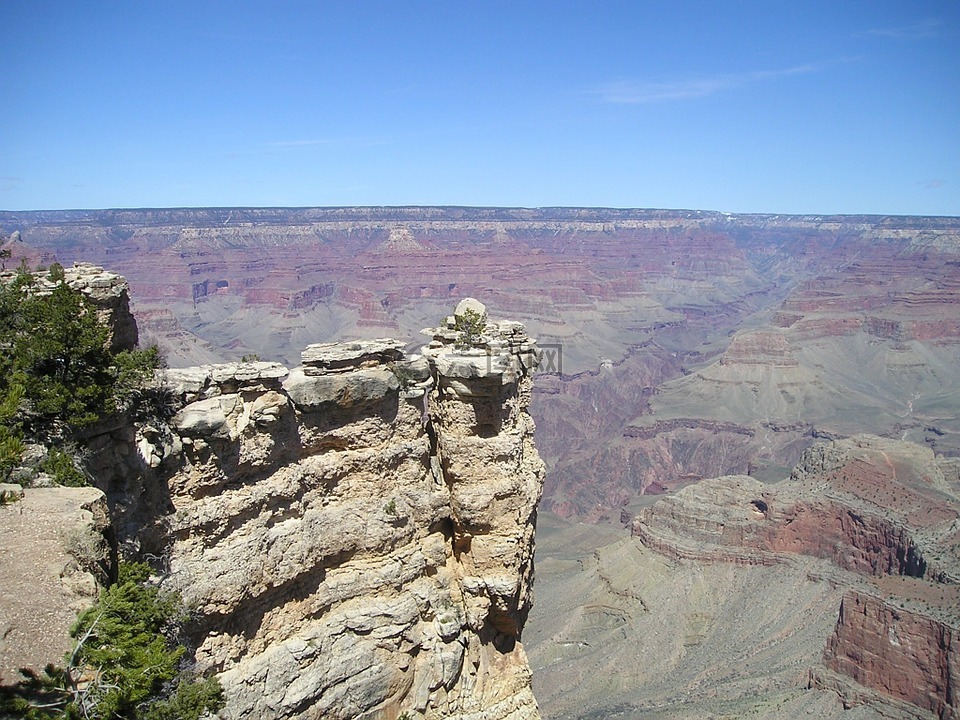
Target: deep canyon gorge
x: 750, y: 426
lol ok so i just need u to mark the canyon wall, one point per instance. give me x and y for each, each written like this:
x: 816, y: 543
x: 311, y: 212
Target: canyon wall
x: 874, y: 636
x: 683, y: 344
x: 881, y: 518
x: 356, y: 534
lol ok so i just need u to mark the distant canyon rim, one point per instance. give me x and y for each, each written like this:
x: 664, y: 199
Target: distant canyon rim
x: 689, y: 344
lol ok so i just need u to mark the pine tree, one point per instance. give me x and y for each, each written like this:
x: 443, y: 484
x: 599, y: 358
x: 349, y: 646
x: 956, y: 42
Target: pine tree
x: 57, y: 372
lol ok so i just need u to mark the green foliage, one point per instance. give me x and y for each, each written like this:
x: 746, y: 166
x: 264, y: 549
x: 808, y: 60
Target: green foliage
x: 250, y: 358
x: 39, y: 696
x: 61, y: 467
x: 190, y: 701
x: 125, y: 658
x: 65, y: 361
x: 125, y: 640
x: 11, y: 450
x: 57, y: 372
x: 58, y: 354
x: 134, y: 369
x: 55, y: 273
x: 7, y: 497
x: 471, y: 325
x: 24, y: 276
x: 11, y: 394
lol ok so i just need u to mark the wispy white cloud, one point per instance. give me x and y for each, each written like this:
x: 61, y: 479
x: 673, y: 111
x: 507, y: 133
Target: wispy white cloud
x: 917, y: 31
x: 932, y: 184
x: 325, y: 141
x: 301, y: 143
x: 628, y: 92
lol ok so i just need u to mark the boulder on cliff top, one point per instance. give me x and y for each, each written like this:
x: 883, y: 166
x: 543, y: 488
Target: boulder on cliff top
x: 470, y: 304
x: 205, y: 418
x: 345, y: 390
x: 241, y: 374
x: 192, y: 383
x: 322, y: 358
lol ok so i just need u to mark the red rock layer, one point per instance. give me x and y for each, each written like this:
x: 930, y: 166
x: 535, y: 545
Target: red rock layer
x: 884, y: 511
x: 898, y: 652
x: 675, y: 286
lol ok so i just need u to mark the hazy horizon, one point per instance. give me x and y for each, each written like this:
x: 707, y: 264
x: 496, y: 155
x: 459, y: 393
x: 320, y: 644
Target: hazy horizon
x: 598, y: 208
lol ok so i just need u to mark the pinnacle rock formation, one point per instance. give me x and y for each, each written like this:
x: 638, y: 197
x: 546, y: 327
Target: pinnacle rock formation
x: 356, y: 534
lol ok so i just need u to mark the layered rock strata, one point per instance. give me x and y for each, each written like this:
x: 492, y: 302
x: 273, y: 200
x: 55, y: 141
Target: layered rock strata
x: 874, y: 635
x: 884, y: 514
x: 781, y: 327
x: 356, y: 534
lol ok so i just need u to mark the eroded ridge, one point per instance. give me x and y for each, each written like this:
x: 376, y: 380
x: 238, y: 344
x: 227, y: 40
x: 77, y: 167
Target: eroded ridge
x: 883, y: 516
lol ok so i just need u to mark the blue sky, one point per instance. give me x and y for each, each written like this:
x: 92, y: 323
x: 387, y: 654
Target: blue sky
x: 769, y: 106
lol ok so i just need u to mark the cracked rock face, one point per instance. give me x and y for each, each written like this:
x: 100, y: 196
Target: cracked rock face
x: 357, y: 535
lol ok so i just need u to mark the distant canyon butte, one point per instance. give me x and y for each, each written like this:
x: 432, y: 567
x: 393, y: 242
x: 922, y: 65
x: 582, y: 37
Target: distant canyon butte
x: 679, y: 345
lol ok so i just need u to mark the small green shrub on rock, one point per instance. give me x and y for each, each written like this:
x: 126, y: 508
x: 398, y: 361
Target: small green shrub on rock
x: 190, y: 701
x: 471, y: 325
x: 11, y: 450
x: 126, y: 663
x: 61, y: 467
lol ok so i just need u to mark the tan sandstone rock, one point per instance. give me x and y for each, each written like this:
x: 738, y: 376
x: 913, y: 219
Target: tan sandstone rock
x: 56, y: 556
x: 357, y: 537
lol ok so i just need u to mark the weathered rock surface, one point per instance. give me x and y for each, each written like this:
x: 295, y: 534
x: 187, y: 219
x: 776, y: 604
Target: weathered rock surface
x: 357, y: 534
x: 900, y: 652
x: 621, y: 631
x: 884, y: 515
x: 57, y: 553
x: 322, y: 358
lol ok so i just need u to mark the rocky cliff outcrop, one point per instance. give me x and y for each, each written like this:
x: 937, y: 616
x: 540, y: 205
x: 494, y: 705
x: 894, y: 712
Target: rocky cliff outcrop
x: 110, y: 295
x: 356, y: 534
x: 107, y: 292
x: 884, y: 514
x: 874, y: 636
